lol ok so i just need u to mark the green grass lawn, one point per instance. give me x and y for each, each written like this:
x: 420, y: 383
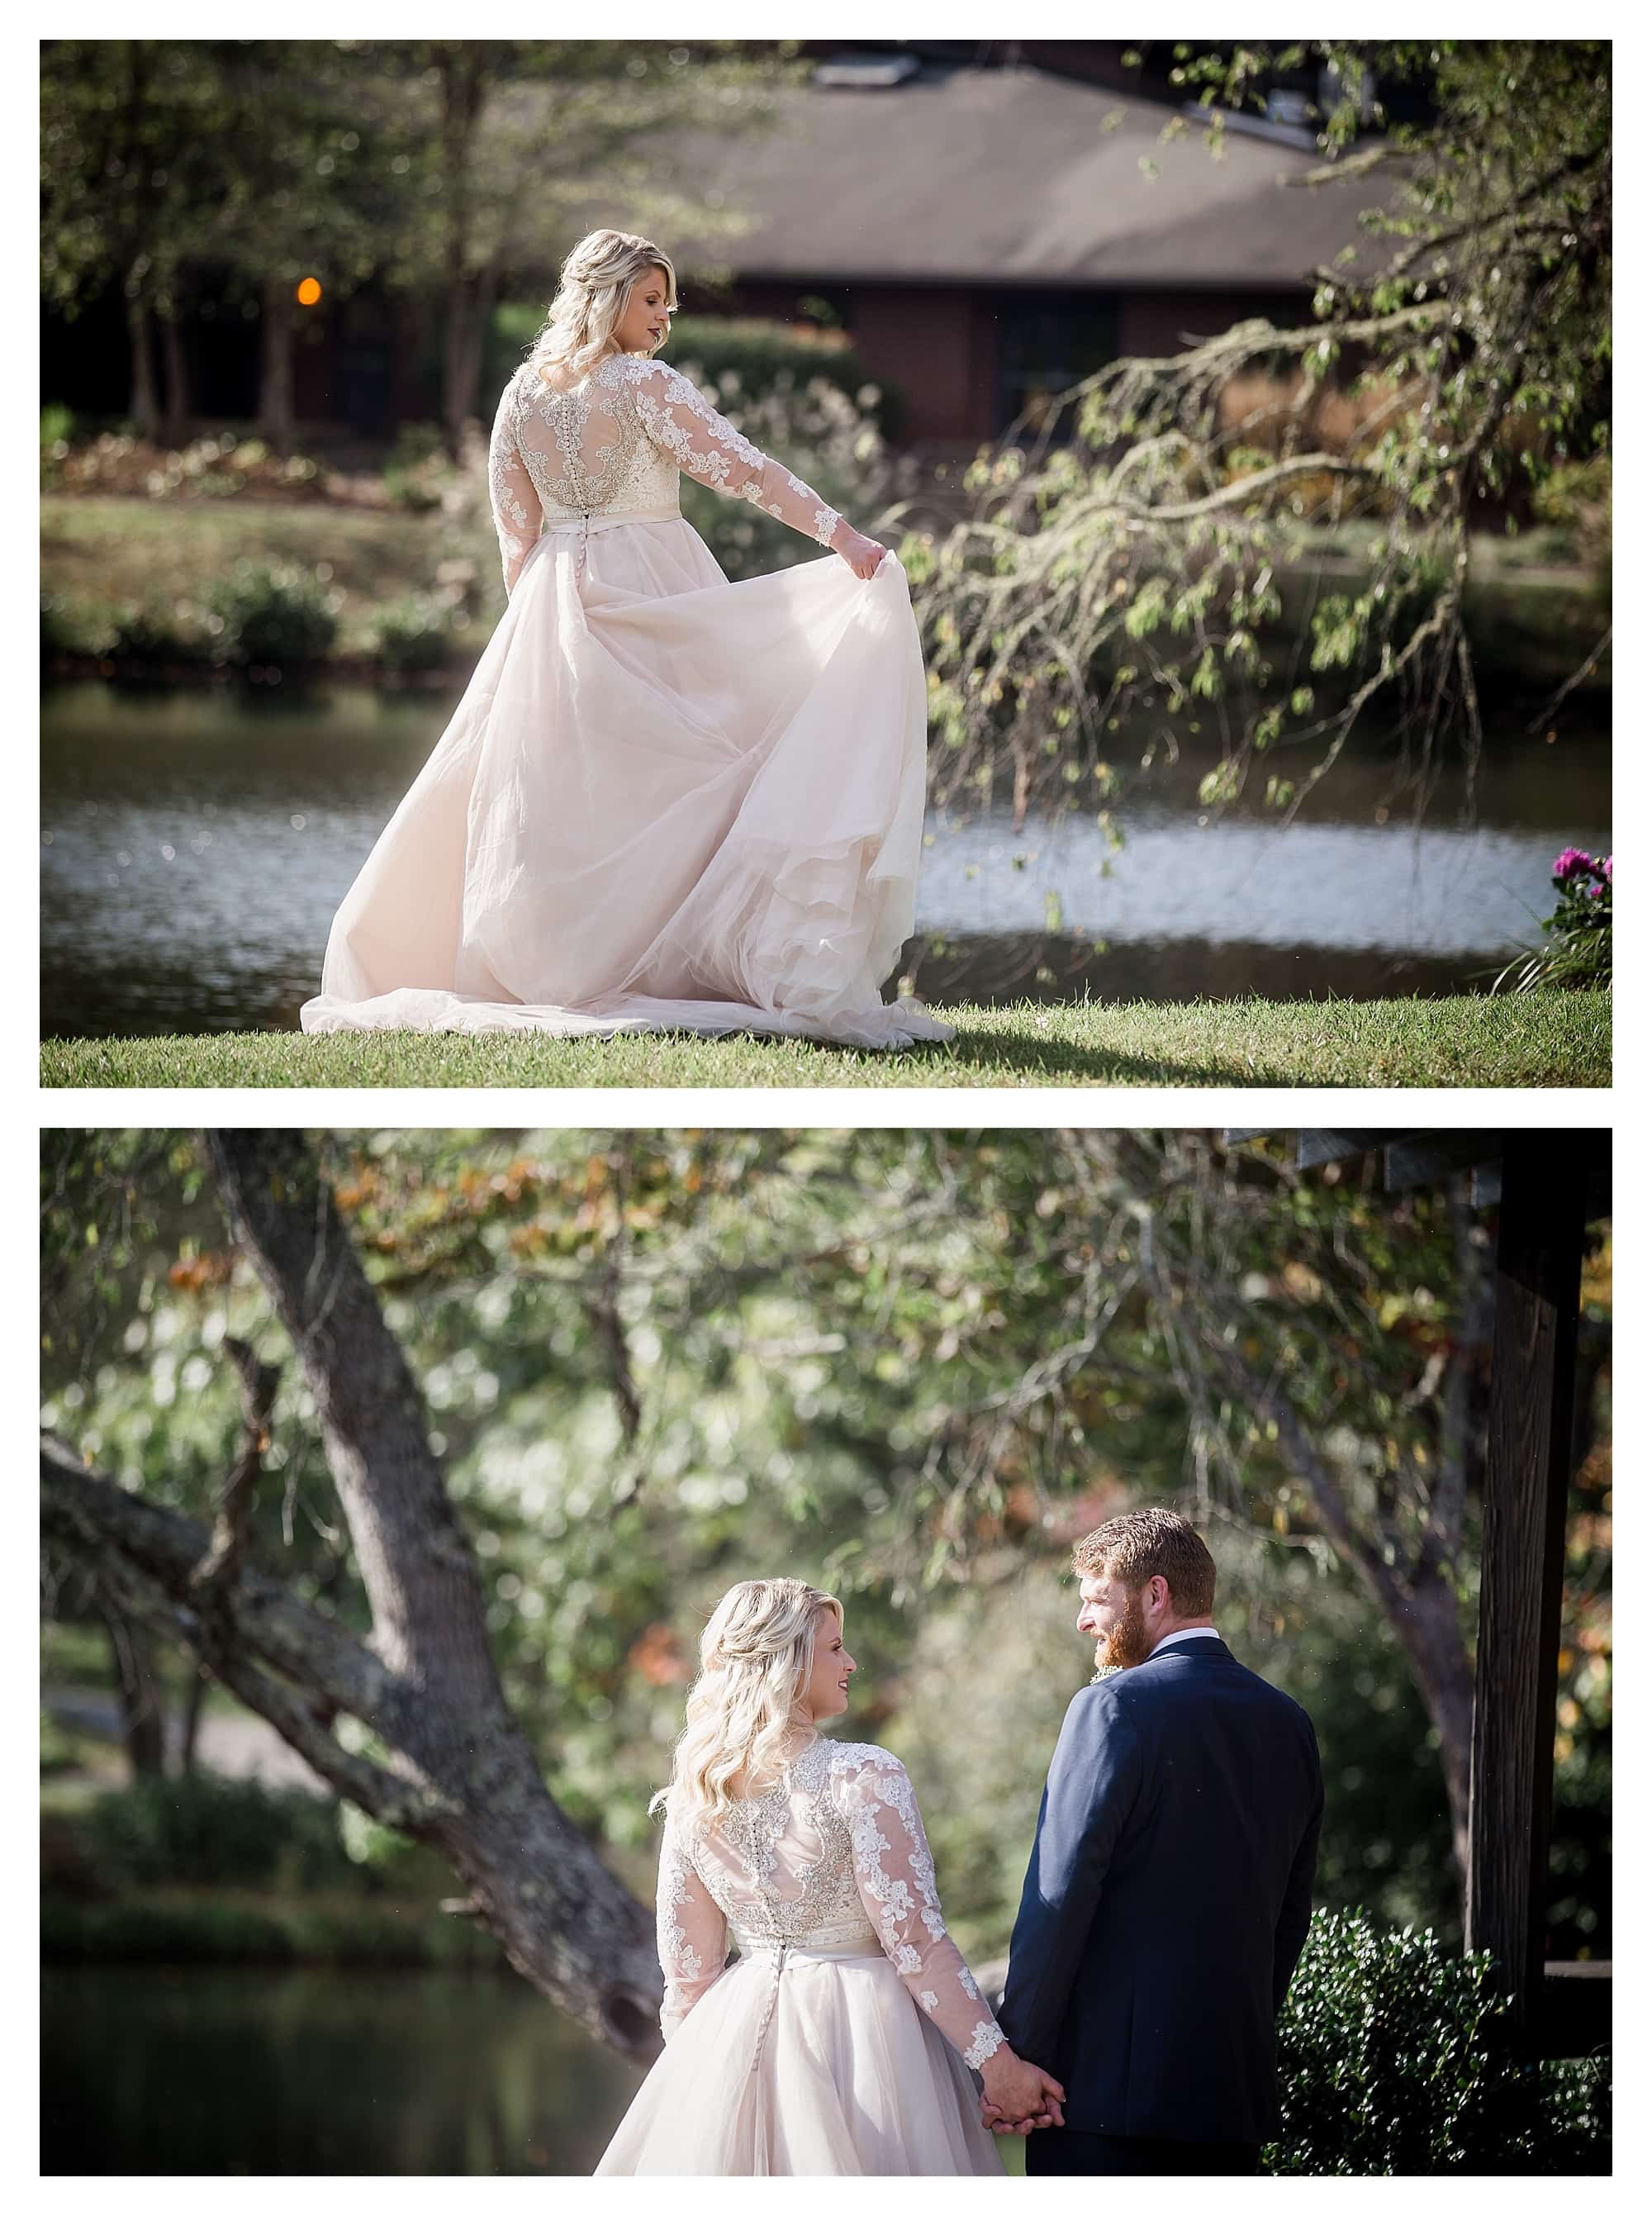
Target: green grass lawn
x: 1540, y: 1038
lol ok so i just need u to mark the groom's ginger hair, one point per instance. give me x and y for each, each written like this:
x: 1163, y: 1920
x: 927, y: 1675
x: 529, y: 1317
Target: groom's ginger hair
x: 1152, y: 1542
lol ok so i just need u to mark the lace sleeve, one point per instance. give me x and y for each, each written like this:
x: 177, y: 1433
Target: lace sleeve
x: 896, y: 1876
x: 516, y: 512
x: 693, y: 1937
x: 706, y: 446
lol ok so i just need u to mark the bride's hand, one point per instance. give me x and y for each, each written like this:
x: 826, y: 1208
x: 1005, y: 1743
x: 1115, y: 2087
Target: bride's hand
x: 1018, y: 2096
x: 863, y: 554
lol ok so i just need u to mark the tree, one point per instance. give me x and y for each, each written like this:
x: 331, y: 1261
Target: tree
x: 302, y: 193
x: 435, y: 1753
x: 503, y: 148
x: 123, y: 130
x: 911, y: 1366
x: 1139, y: 567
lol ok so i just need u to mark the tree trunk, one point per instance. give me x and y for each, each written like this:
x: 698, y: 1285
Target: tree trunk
x: 179, y: 410
x: 275, y: 419
x: 143, y: 1717
x: 563, y: 1918
x: 469, y: 305
x: 145, y: 407
x: 191, y: 1715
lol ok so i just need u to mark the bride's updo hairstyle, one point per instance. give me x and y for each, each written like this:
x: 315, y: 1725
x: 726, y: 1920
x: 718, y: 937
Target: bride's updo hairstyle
x: 755, y: 1659
x: 596, y: 284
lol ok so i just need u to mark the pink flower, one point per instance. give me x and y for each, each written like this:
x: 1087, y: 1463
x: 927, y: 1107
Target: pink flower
x: 1604, y: 868
x: 1570, y: 862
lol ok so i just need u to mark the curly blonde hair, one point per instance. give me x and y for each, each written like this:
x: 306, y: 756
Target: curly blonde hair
x: 756, y: 1654
x: 596, y: 283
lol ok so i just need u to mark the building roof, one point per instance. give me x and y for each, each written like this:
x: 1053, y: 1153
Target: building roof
x: 1012, y: 177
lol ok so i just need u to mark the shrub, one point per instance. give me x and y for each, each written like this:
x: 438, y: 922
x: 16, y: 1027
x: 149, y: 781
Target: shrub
x: 62, y: 632
x: 1393, y: 2063
x: 197, y: 1928
x: 263, y: 613
x: 825, y: 435
x: 759, y: 352
x: 1579, y: 933
x: 212, y: 1831
x: 1575, y: 498
x: 414, y: 632
x: 418, y: 469
x: 152, y: 637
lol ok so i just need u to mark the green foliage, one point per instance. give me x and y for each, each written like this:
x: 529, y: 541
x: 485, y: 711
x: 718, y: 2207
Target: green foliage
x: 415, y: 632
x: 212, y: 1831
x: 830, y: 438
x: 1393, y: 2064
x: 151, y: 636
x: 62, y: 629
x: 1575, y: 497
x: 839, y: 1344
x: 418, y: 471
x: 1124, y: 556
x: 1578, y: 955
x: 171, y: 1927
x: 270, y: 614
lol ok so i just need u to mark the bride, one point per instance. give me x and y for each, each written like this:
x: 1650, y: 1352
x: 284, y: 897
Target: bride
x: 666, y: 801
x: 840, y: 2043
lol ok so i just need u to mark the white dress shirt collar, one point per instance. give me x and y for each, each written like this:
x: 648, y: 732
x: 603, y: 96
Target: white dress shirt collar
x: 1199, y: 1631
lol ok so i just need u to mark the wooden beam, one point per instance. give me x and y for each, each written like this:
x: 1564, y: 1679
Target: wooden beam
x: 1433, y: 1157
x: 1533, y: 1359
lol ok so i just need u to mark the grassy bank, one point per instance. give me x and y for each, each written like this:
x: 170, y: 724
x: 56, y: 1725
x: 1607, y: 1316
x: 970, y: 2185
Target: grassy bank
x: 1536, y: 1039
x: 1529, y: 612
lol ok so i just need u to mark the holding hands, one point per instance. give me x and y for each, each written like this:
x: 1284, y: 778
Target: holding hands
x: 1018, y: 2096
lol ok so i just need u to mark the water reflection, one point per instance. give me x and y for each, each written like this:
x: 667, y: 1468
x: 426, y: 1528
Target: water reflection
x: 197, y: 844
x: 247, y: 2072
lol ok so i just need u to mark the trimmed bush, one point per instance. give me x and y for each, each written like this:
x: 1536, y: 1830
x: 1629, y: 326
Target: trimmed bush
x: 265, y: 613
x: 148, y: 637
x: 415, y: 633
x: 199, y: 1928
x: 1393, y: 2064
x: 212, y: 1831
x: 419, y: 470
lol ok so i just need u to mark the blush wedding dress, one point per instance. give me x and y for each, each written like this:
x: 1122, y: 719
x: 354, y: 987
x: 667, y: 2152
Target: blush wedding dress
x: 840, y: 2043
x: 666, y: 801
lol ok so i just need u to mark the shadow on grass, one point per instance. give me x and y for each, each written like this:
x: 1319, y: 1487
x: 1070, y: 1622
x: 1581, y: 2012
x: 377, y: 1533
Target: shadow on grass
x: 1060, y: 1061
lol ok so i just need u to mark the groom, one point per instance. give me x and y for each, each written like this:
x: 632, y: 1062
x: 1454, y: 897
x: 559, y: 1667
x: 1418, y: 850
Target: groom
x: 1169, y: 1892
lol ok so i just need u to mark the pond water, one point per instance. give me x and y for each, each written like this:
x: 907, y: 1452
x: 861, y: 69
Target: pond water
x: 195, y: 845
x: 254, y: 2072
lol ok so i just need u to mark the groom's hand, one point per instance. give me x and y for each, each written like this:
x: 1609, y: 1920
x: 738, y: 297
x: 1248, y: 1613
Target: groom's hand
x: 1018, y: 2095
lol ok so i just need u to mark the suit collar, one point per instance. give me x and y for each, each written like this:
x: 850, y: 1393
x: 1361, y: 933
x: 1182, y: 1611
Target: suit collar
x: 1195, y: 1650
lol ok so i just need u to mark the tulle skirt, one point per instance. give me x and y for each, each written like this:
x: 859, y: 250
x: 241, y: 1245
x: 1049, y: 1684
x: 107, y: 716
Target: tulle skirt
x: 666, y: 801
x: 851, y: 2080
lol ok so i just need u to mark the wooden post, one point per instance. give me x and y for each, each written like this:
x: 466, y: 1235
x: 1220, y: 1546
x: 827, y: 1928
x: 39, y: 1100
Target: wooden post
x: 1533, y: 1359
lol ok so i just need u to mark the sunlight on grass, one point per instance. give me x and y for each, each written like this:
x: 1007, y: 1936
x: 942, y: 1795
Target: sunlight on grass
x: 1536, y: 1039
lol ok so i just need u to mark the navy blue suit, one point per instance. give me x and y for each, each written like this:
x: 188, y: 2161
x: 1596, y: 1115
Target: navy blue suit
x: 1166, y: 1901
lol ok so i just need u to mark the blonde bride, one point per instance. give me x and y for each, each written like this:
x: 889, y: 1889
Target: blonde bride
x: 666, y: 801
x: 841, y: 2041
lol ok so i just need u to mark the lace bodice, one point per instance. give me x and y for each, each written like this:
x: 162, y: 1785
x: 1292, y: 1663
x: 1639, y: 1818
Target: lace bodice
x: 835, y: 1854
x: 614, y: 446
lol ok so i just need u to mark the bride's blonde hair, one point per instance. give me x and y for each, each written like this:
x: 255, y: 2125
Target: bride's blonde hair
x: 755, y: 1657
x: 596, y: 283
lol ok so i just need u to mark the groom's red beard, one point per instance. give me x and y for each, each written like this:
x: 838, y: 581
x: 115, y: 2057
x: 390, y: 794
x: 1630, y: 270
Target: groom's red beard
x: 1126, y: 1644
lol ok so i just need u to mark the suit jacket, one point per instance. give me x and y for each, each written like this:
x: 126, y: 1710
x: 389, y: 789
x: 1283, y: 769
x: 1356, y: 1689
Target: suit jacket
x: 1167, y: 1897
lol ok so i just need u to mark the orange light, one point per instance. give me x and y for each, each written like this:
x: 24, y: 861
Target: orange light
x: 309, y: 293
